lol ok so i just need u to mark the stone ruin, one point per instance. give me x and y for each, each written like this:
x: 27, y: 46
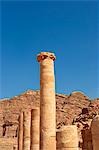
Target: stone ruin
x: 37, y: 127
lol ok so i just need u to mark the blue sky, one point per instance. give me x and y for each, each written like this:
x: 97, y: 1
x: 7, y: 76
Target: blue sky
x: 67, y: 28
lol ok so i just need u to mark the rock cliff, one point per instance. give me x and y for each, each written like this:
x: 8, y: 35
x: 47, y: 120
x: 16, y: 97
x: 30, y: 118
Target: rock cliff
x: 75, y: 108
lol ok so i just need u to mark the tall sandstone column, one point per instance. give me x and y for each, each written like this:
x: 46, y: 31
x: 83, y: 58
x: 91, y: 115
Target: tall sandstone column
x: 35, y: 129
x: 95, y: 132
x: 67, y: 138
x: 26, y: 130
x: 20, y: 132
x: 47, y: 102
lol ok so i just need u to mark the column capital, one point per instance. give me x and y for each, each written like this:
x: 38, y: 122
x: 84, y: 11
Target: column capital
x: 45, y: 55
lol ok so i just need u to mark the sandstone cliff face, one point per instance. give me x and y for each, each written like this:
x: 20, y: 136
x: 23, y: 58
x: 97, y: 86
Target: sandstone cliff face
x: 73, y: 109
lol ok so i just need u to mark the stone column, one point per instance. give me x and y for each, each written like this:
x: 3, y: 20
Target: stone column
x: 26, y: 130
x: 35, y: 129
x: 20, y: 132
x: 47, y: 102
x: 95, y: 132
x: 87, y: 139
x: 67, y: 138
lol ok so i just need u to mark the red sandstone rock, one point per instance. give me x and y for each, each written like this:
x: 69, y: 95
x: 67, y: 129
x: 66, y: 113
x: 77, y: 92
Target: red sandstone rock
x: 73, y: 109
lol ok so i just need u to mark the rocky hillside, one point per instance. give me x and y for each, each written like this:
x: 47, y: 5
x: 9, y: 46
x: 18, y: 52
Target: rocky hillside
x: 75, y: 108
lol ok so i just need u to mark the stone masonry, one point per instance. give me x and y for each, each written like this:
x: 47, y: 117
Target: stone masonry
x: 20, y: 132
x: 47, y: 102
x: 95, y: 133
x: 26, y: 130
x: 35, y: 129
x: 67, y: 138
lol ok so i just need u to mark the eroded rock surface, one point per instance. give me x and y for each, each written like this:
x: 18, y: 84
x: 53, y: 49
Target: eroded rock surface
x: 75, y: 108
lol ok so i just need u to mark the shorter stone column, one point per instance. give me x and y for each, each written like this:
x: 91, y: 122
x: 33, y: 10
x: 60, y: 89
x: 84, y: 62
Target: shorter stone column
x: 26, y: 130
x: 35, y: 129
x: 20, y: 132
x: 67, y: 138
x: 95, y: 132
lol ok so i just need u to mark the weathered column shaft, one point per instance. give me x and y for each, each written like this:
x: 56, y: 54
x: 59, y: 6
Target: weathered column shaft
x: 26, y: 130
x: 35, y: 129
x: 47, y: 102
x: 67, y: 138
x: 87, y: 139
x: 95, y: 132
x: 20, y: 132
